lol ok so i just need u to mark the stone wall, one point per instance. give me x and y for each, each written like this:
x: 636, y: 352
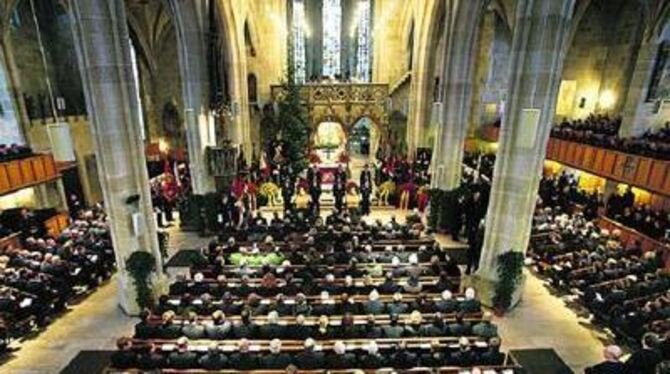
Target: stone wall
x: 84, y: 149
x: 602, y: 56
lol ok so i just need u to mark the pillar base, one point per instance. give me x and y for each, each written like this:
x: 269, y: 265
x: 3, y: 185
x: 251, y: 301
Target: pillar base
x: 485, y: 288
x: 127, y: 294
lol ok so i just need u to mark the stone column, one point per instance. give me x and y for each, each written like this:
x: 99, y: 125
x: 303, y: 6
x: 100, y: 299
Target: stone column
x: 191, y: 25
x: 536, y: 63
x: 637, y: 112
x: 103, y: 50
x: 462, y: 31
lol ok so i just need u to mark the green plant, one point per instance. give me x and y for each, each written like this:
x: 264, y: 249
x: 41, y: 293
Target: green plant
x: 293, y: 121
x: 510, y: 272
x: 140, y: 265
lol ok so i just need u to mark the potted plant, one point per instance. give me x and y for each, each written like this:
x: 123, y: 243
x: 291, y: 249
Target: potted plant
x: 140, y: 265
x: 510, y: 273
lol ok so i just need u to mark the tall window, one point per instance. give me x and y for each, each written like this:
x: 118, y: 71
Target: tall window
x: 299, y: 32
x: 364, y: 41
x: 332, y: 25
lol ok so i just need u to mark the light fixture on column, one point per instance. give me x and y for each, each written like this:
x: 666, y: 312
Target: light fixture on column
x: 607, y: 99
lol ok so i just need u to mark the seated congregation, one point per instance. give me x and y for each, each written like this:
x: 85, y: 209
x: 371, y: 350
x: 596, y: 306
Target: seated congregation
x: 40, y: 275
x: 347, y: 296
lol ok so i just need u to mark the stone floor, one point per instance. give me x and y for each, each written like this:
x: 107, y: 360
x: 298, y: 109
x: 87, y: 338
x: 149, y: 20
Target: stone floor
x: 539, y: 321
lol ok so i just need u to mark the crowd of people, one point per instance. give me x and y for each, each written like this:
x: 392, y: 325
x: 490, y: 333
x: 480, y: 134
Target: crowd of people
x: 654, y: 223
x: 601, y: 130
x: 623, y: 287
x: 340, y: 295
x: 9, y: 152
x: 43, y: 274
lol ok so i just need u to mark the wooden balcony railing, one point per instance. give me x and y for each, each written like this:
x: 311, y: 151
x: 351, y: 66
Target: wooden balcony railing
x: 644, y: 172
x: 629, y: 236
x: 27, y: 172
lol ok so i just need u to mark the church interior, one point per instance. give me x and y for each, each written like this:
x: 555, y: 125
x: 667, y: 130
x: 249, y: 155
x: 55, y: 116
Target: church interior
x: 335, y: 186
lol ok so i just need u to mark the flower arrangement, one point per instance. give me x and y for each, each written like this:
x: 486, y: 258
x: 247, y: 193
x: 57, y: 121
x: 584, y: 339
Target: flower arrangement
x: 387, y: 187
x: 267, y: 194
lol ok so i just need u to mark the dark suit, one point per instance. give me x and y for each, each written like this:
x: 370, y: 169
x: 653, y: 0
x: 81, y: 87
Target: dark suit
x: 343, y: 361
x: 243, y: 361
x: 643, y: 361
x: 275, y: 361
x: 607, y: 367
x: 310, y: 360
x: 213, y: 361
x: 183, y: 360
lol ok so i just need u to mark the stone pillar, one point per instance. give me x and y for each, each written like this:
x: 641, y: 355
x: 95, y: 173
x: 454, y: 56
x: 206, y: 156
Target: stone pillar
x: 637, y: 112
x: 537, y: 54
x: 462, y: 30
x: 103, y: 50
x: 191, y: 25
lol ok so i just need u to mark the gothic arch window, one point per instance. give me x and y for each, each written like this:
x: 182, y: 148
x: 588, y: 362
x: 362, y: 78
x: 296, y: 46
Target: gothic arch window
x: 298, y: 38
x: 332, y: 27
x: 410, y: 47
x: 364, y: 41
x: 248, y: 42
x: 252, y: 86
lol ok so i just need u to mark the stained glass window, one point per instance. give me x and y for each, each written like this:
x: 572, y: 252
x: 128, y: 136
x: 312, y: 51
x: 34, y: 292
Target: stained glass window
x: 299, y: 40
x: 364, y: 41
x: 332, y: 26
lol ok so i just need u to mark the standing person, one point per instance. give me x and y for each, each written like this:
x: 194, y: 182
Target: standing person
x: 475, y: 244
x: 169, y: 189
x: 287, y: 190
x: 339, y: 187
x: 366, y: 191
x: 314, y: 179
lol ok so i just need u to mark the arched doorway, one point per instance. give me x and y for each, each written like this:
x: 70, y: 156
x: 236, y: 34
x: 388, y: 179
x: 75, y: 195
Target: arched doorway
x: 363, y: 140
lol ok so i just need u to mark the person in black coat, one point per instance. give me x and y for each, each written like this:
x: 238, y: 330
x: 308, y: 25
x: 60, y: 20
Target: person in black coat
x: 339, y: 187
x: 275, y: 360
x: 402, y: 358
x: 645, y: 360
x: 611, y: 365
x: 371, y: 360
x: 243, y: 359
x: 340, y: 358
x: 124, y: 357
x: 309, y: 359
x: 314, y: 179
x: 287, y: 190
x: 182, y: 358
x: 214, y: 359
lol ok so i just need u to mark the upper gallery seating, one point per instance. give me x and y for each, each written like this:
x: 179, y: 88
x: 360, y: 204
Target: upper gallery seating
x: 602, y: 131
x: 14, y: 152
x: 330, y: 299
x: 622, y: 286
x: 39, y: 278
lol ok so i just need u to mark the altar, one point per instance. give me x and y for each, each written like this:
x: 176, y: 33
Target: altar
x: 329, y: 144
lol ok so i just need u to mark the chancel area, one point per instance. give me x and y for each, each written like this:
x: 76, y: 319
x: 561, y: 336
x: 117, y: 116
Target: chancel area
x: 335, y: 186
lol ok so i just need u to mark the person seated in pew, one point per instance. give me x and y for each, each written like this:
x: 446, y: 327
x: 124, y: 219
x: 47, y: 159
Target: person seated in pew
x: 271, y: 329
x: 340, y: 358
x: 459, y: 327
x: 413, y: 285
x: 393, y: 330
x: 372, y: 359
x: 492, y: 356
x: 299, y: 331
x: 349, y: 305
x: 323, y: 330
x: 182, y: 358
x: 612, y: 363
x: 347, y: 328
x: 309, y: 358
x: 373, y: 305
x: 401, y: 357
x: 301, y: 305
x: 192, y: 329
x: 214, y: 359
x: 123, y: 357
x: 446, y: 304
x: 371, y: 330
x: 464, y: 356
x: 245, y: 328
x: 485, y: 328
x: 389, y: 286
x: 413, y: 324
x: 275, y: 360
x: 436, y: 327
x: 436, y: 357
x: 243, y: 359
x: 397, y: 306
x: 327, y: 305
x: 220, y: 327
x: 151, y: 358
x: 168, y: 329
x: 470, y: 304
x: 144, y: 329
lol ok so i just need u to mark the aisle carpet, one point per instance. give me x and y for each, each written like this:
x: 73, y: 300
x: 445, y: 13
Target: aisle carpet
x: 90, y: 362
x: 540, y: 361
